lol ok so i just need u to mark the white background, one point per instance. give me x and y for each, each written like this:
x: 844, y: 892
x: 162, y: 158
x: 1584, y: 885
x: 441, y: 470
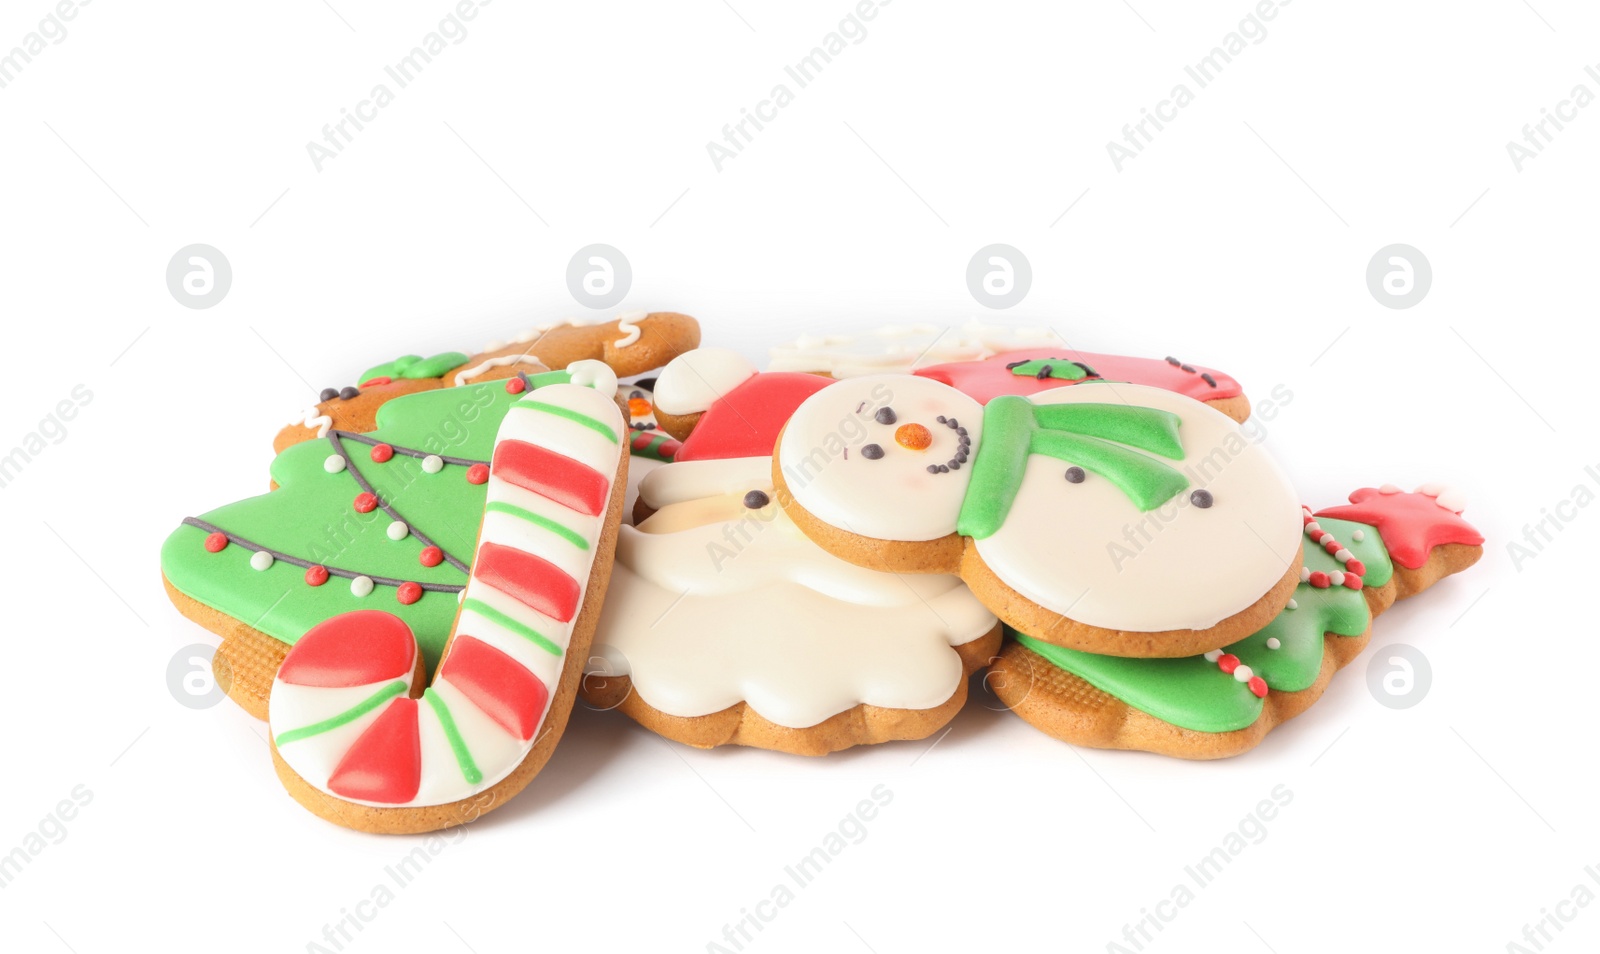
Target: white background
x: 1239, y: 238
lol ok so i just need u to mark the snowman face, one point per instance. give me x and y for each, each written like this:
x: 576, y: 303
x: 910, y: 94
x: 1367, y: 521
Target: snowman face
x: 886, y: 456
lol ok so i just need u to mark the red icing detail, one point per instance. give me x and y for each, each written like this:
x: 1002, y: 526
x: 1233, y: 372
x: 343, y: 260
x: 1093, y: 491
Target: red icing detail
x: 1228, y: 662
x: 408, y: 592
x: 548, y: 474
x: 215, y: 541
x: 385, y: 763
x: 352, y: 649
x: 987, y: 379
x: 1333, y: 546
x: 515, y: 386
x: 532, y: 581
x: 382, y: 453
x: 430, y: 556
x: 668, y: 449
x: 1411, y: 525
x: 1319, y: 579
x: 1258, y: 686
x: 745, y: 422
x: 316, y: 575
x: 366, y: 502
x: 1353, y: 581
x: 382, y: 379
x: 477, y: 474
x: 1355, y: 566
x: 499, y: 685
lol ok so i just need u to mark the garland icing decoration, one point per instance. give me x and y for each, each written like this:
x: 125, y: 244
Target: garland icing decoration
x: 1091, y: 436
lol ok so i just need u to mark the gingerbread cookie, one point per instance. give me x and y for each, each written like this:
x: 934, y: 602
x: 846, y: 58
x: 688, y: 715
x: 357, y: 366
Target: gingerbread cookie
x: 1035, y: 370
x: 1063, y: 511
x: 726, y: 625
x: 631, y: 344
x: 355, y: 737
x: 387, y: 517
x: 1359, y: 559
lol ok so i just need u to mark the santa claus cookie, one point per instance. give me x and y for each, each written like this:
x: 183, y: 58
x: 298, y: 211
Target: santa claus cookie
x: 1359, y: 559
x: 355, y: 736
x: 384, y: 518
x: 633, y: 343
x: 725, y: 624
x: 1120, y: 519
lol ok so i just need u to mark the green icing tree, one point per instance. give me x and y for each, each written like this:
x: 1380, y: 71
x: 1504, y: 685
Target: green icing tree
x: 312, y: 518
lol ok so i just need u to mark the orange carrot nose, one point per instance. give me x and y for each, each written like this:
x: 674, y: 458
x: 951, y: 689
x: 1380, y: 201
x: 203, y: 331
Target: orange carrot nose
x: 913, y: 437
x: 638, y: 407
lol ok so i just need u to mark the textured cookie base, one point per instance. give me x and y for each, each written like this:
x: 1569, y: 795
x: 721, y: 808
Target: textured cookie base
x: 956, y: 554
x: 739, y: 724
x: 247, y: 660
x: 395, y: 821
x: 1062, y: 705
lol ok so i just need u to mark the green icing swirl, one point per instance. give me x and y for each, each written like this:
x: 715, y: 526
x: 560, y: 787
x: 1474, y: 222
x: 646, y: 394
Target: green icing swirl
x: 1193, y: 693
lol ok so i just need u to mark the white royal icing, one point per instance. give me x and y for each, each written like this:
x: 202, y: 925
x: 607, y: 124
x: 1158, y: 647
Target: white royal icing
x: 712, y: 603
x: 898, y: 349
x: 627, y: 323
x: 694, y: 380
x: 313, y: 417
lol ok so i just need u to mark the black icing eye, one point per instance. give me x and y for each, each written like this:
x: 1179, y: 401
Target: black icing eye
x: 756, y: 499
x: 329, y: 394
x: 871, y: 451
x: 1202, y: 499
x: 1075, y: 475
x: 885, y: 415
x: 348, y: 393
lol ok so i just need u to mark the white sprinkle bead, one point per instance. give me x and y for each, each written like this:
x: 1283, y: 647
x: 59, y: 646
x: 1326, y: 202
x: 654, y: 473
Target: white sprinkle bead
x: 398, y: 530
x: 1314, y: 529
x: 361, y: 586
x: 1293, y: 605
x: 1274, y: 642
x: 1343, y: 556
x: 1336, y: 578
x: 1243, y: 673
x: 1325, y: 539
x: 1305, y: 574
x: 432, y: 464
x: 260, y: 560
x: 334, y: 463
x: 1358, y: 535
x: 1214, y: 655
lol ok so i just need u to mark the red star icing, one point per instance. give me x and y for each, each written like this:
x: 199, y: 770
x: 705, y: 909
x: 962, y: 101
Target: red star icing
x: 1411, y: 524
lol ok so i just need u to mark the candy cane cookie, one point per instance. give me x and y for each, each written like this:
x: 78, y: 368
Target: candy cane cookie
x: 355, y: 741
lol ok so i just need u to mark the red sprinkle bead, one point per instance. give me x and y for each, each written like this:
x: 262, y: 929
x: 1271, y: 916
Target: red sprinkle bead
x: 1319, y: 580
x: 431, y: 556
x: 409, y: 593
x: 382, y: 453
x: 316, y: 575
x: 366, y: 502
x: 478, y: 474
x: 1333, y: 546
x: 1355, y: 566
x: 378, y: 380
x: 1228, y: 662
x: 1258, y: 686
x: 216, y: 541
x: 515, y: 386
x: 1353, y: 581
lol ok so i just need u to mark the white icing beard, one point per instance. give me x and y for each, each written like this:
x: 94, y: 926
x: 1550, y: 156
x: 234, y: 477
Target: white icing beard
x: 712, y: 603
x: 893, y: 497
x: 1086, y: 551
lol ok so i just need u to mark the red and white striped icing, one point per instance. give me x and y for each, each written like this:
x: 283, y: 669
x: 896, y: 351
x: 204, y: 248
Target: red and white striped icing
x: 340, y: 710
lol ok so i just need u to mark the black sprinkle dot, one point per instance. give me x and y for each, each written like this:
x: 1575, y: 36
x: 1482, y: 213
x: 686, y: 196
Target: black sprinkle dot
x: 955, y: 424
x: 1087, y: 370
x: 942, y: 420
x: 1202, y: 499
x: 872, y: 452
x: 1207, y: 378
x: 348, y: 393
x: 933, y: 468
x: 329, y: 394
x: 1173, y: 361
x: 755, y: 500
x: 1009, y: 366
x: 1044, y: 373
x: 943, y: 469
x: 954, y: 464
x: 885, y: 415
x: 962, y: 431
x: 635, y: 393
x: 1075, y: 475
x: 1187, y: 368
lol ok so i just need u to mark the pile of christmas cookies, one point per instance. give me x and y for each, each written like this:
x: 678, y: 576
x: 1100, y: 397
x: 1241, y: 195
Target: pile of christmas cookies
x: 806, y: 558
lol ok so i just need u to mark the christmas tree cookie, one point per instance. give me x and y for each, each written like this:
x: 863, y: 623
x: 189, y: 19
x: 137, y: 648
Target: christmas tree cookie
x: 1359, y: 559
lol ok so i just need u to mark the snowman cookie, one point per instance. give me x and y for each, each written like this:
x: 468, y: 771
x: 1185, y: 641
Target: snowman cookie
x: 727, y: 625
x: 630, y: 344
x: 1117, y: 519
x: 1359, y: 559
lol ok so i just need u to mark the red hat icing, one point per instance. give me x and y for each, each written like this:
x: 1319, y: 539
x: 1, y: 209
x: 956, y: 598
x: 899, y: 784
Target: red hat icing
x: 745, y: 421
